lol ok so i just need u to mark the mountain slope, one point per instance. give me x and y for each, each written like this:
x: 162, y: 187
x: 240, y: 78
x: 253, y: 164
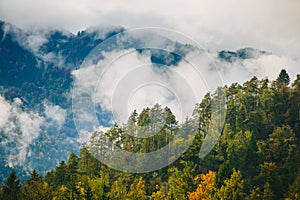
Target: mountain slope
x: 37, y: 128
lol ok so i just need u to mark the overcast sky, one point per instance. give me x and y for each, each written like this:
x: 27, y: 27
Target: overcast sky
x: 271, y: 25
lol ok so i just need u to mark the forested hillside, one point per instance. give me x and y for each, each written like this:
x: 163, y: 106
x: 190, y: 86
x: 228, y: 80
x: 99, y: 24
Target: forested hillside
x: 37, y: 68
x: 256, y: 157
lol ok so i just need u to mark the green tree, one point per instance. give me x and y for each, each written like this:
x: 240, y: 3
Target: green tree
x: 268, y: 194
x: 35, y: 188
x: 72, y: 170
x: 137, y: 190
x: 118, y: 189
x: 88, y: 194
x: 99, y: 143
x: 99, y: 186
x: 284, y: 77
x: 294, y: 189
x: 144, y: 117
x: 88, y: 164
x: 281, y: 100
x: 61, y: 175
x: 62, y: 193
x: 128, y: 142
x: 12, y: 189
x: 255, y: 194
x: 181, y: 182
x: 270, y: 181
x: 242, y: 153
x: 158, y: 195
x: 281, y: 148
x: 233, y: 188
x: 223, y: 173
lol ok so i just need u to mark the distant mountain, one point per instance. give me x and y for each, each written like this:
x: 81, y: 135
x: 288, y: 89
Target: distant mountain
x: 246, y: 53
x: 35, y: 85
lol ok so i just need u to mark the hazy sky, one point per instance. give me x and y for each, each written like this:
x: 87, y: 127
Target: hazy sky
x: 271, y: 25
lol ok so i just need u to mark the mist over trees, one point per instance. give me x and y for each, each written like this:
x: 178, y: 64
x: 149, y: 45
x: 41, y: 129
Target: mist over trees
x: 256, y: 157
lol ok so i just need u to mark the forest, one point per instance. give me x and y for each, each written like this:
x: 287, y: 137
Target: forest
x: 256, y: 156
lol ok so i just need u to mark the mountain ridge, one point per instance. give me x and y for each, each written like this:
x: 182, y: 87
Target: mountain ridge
x: 36, y: 70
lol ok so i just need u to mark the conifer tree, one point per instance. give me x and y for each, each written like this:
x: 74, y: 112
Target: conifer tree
x: 233, y: 188
x: 12, y: 188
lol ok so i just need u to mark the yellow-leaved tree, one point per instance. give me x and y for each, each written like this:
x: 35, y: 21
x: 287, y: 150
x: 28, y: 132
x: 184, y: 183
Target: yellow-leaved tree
x: 205, y: 188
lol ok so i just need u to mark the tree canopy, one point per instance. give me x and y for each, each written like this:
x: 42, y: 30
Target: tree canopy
x: 256, y: 156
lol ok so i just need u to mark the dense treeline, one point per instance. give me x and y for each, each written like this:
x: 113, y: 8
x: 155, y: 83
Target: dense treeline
x: 256, y: 157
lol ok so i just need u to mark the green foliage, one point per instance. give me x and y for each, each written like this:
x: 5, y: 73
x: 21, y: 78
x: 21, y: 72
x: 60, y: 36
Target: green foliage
x: 260, y: 139
x: 119, y: 190
x: 12, y: 189
x: 137, y: 190
x: 181, y: 182
x: 268, y: 194
x: 88, y: 164
x: 284, y: 77
x: 35, y: 188
x: 233, y: 188
x: 60, y: 175
x: 255, y: 194
x: 177, y: 185
x: 223, y: 173
x: 99, y: 186
x: 294, y: 189
x: 88, y: 194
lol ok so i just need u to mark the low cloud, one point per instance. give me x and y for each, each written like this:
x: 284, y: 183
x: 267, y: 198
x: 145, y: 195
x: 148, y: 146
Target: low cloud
x: 125, y: 80
x: 270, y: 25
x: 132, y: 82
x: 55, y: 114
x: 263, y: 66
x: 20, y: 129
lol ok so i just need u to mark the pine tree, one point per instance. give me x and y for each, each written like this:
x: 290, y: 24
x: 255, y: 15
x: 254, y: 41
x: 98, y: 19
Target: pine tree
x: 255, y: 194
x: 12, y: 188
x: 137, y: 190
x: 88, y: 165
x: 294, y: 189
x: 181, y: 182
x: 267, y: 194
x: 72, y: 167
x: 34, y: 177
x: 99, y: 186
x: 284, y: 77
x: 223, y: 173
x: 88, y: 194
x: 233, y: 188
x: 35, y: 188
x: 118, y: 190
x: 61, y: 175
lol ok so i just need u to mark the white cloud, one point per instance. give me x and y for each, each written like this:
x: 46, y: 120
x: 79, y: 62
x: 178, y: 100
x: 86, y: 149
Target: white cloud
x: 56, y: 114
x: 20, y: 128
x: 5, y: 108
x: 271, y: 65
x: 263, y: 66
x: 270, y: 25
x: 126, y: 80
x: 31, y: 40
x: 35, y: 41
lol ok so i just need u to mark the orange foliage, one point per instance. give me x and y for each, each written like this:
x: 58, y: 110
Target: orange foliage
x: 205, y: 187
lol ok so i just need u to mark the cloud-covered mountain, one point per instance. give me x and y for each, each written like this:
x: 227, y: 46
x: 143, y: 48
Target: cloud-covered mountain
x: 37, y: 72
